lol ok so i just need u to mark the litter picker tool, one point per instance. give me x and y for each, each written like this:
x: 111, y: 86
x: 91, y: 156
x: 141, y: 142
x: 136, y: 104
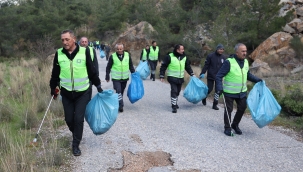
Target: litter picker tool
x: 231, y: 133
x: 34, y: 142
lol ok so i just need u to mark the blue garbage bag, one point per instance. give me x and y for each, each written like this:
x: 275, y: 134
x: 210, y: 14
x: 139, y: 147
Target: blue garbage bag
x: 263, y: 106
x: 102, y: 54
x: 102, y: 111
x: 135, y: 89
x: 195, y: 91
x: 143, y: 69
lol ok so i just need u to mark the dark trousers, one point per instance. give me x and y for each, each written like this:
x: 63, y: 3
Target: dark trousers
x: 90, y: 90
x: 74, y: 110
x: 174, y: 93
x: 153, y: 64
x: 210, y: 86
x: 120, y: 87
x: 241, y: 106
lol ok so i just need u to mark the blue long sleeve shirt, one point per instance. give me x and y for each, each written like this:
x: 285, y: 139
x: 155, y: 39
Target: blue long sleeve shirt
x: 224, y: 71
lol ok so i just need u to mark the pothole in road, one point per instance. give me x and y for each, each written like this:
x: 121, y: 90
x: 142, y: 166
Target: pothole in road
x: 143, y: 161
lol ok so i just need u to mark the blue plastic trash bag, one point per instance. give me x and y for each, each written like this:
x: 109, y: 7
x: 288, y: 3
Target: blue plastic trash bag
x: 102, y: 54
x: 102, y: 111
x: 263, y: 106
x: 195, y: 90
x: 143, y: 70
x: 135, y: 89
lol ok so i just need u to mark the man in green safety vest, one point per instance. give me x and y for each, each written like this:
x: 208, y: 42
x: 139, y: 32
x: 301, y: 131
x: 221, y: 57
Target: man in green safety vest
x: 97, y: 45
x: 84, y: 43
x: 119, y: 64
x: 235, y: 71
x: 153, y: 57
x: 175, y: 63
x: 144, y: 53
x: 73, y: 68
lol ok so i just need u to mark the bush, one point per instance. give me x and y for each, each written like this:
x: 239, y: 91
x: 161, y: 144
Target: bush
x: 292, y: 101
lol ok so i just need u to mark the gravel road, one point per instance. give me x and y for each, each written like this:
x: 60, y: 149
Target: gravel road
x: 193, y: 137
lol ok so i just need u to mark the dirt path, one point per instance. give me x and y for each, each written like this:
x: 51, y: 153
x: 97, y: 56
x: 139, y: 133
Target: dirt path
x: 148, y: 137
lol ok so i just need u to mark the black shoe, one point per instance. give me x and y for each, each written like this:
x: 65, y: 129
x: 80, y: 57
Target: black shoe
x: 177, y: 106
x: 204, y: 101
x: 76, y: 151
x: 153, y: 79
x: 174, y: 110
x: 120, y: 109
x: 215, y: 107
x: 236, y: 128
x: 228, y: 132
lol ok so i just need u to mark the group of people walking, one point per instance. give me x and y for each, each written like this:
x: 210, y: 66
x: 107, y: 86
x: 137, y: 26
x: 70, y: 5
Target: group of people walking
x: 75, y: 70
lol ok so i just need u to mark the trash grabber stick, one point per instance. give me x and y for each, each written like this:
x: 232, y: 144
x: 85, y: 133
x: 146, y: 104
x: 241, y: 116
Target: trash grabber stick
x: 35, y: 139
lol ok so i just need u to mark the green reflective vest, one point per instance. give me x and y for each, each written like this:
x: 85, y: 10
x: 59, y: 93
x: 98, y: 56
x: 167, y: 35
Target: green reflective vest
x: 153, y: 54
x: 73, y: 73
x: 144, y: 55
x: 97, y: 43
x: 176, y: 67
x: 91, y: 50
x: 235, y: 80
x: 120, y: 69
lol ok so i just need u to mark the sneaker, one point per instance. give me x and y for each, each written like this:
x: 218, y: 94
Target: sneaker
x: 120, y: 109
x: 215, y: 107
x: 236, y: 128
x: 204, y: 101
x: 228, y: 132
x: 174, y: 110
x: 76, y: 151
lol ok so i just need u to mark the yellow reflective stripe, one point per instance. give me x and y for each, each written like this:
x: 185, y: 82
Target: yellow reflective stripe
x: 233, y: 84
x: 81, y: 86
x: 66, y: 86
x: 80, y: 79
x: 65, y: 80
x: 234, y: 89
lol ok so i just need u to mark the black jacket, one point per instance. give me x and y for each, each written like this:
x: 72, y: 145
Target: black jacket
x: 111, y: 62
x: 147, y: 53
x: 225, y: 69
x: 91, y: 71
x: 95, y: 62
x: 166, y: 62
x: 212, y: 65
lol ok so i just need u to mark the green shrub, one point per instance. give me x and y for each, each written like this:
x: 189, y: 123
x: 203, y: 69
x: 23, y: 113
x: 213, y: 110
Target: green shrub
x: 292, y: 101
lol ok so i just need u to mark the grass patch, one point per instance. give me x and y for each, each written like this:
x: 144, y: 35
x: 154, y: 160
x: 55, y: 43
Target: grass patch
x: 23, y: 102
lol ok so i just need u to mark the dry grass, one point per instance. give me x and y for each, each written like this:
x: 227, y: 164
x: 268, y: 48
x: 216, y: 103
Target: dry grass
x: 24, y: 96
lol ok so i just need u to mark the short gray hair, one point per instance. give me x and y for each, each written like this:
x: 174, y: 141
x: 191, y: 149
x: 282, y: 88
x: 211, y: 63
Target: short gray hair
x: 118, y: 44
x: 68, y: 31
x: 237, y: 46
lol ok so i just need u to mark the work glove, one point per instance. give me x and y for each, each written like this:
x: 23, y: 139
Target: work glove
x: 99, y: 89
x: 55, y: 92
x: 202, y: 75
x: 107, y: 77
x: 192, y: 74
x: 218, y: 94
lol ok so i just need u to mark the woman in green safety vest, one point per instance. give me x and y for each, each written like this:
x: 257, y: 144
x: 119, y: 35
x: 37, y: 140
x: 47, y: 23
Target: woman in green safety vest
x: 144, y: 53
x: 235, y: 71
x: 73, y: 68
x: 119, y: 64
x: 175, y: 63
x: 153, y: 57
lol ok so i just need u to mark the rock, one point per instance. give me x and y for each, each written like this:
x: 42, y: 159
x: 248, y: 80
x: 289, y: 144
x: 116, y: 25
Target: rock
x: 271, y: 45
x: 260, y: 68
x: 299, y: 1
x: 294, y: 23
x: 289, y: 29
x: 299, y: 11
x: 135, y: 38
